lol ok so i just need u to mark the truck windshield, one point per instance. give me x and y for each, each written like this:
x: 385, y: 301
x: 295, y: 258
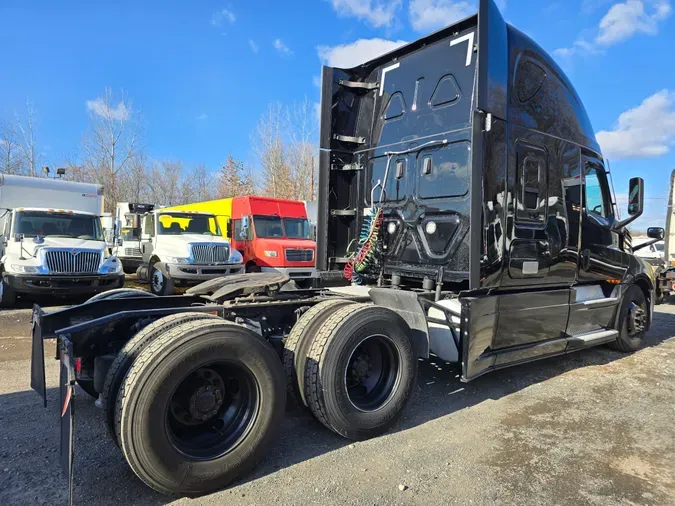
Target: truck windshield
x: 268, y: 227
x: 185, y: 223
x: 49, y: 224
x: 296, y: 228
x: 660, y: 247
x: 129, y: 234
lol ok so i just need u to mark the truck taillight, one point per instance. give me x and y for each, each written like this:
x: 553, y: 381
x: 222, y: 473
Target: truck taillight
x: 78, y: 366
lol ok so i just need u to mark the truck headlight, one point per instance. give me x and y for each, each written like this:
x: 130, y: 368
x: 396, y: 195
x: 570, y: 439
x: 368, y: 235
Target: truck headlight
x: 176, y: 260
x: 24, y: 269
x: 235, y: 257
x: 271, y: 254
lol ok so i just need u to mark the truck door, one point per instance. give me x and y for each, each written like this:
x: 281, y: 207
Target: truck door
x: 600, y: 257
x: 147, y: 237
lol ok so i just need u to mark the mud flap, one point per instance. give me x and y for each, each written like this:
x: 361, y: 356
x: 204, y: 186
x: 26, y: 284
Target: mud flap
x: 67, y: 393
x: 37, y: 359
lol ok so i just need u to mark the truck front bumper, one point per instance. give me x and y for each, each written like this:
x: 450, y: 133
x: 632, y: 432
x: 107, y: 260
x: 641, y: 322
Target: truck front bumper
x: 63, y: 284
x: 293, y: 272
x: 191, y: 272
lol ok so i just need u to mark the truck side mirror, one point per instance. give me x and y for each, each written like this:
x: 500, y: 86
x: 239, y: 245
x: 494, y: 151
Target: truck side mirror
x: 636, y: 202
x: 243, y: 234
x: 636, y: 196
x: 656, y: 233
x: 120, y: 241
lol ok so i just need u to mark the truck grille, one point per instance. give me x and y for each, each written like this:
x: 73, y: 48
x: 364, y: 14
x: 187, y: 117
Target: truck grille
x: 210, y: 253
x: 132, y: 252
x: 72, y: 261
x: 299, y: 255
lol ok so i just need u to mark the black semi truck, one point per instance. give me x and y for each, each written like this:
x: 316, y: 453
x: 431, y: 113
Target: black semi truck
x: 465, y: 212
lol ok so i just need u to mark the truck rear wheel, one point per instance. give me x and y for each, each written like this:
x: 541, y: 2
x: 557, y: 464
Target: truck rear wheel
x: 131, y: 350
x: 297, y: 345
x: 361, y: 371
x: 199, y: 406
x: 7, y: 295
x: 160, y: 281
x: 632, y: 321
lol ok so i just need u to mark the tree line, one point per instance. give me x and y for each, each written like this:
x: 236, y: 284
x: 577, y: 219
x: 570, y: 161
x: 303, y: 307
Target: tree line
x: 112, y: 153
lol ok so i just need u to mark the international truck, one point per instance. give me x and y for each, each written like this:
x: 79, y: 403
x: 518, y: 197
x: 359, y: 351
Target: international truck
x: 273, y: 235
x: 184, y: 247
x: 464, y: 206
x: 127, y: 247
x: 52, y: 241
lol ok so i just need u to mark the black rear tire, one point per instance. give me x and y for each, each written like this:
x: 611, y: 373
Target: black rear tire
x: 129, y: 352
x: 298, y: 343
x: 631, y: 332
x: 361, y: 371
x: 145, y: 418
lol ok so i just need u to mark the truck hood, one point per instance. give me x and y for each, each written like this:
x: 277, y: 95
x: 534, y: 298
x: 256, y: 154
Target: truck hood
x: 59, y: 243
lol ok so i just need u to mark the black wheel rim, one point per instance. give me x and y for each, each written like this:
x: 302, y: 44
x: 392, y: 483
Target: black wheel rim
x: 372, y: 373
x: 212, y: 410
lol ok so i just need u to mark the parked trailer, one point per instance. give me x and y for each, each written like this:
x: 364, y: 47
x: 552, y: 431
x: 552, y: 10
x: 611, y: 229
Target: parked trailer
x: 463, y: 194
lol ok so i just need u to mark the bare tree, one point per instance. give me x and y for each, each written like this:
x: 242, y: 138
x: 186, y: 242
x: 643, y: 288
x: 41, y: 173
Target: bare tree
x: 10, y: 156
x: 135, y: 180
x: 301, y: 150
x: 166, y: 187
x: 28, y: 127
x: 284, y: 142
x: 270, y: 148
x: 111, y: 143
x: 202, y: 184
x: 234, y: 179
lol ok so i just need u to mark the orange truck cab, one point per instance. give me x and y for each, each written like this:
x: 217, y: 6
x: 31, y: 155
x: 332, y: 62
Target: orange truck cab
x: 273, y: 234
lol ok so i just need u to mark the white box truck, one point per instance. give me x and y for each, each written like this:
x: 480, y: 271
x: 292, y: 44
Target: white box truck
x: 128, y: 218
x: 52, y: 240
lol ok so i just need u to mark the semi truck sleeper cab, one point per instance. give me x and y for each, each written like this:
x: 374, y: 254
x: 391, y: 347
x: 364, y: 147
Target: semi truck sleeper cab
x: 465, y: 211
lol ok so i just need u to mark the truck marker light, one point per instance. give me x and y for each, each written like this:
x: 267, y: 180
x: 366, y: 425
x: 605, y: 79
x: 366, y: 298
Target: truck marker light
x: 614, y: 281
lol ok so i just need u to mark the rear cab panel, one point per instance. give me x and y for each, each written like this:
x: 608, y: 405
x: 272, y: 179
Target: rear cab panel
x: 411, y: 109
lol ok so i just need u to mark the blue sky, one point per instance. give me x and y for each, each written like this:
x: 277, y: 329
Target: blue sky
x: 200, y: 73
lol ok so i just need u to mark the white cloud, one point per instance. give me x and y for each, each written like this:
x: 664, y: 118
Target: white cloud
x: 98, y: 107
x: 647, y: 130
x: 316, y: 81
x: 253, y: 45
x: 360, y: 51
x: 377, y: 13
x: 428, y: 15
x: 623, y: 20
x: 282, y: 48
x: 202, y: 117
x: 223, y: 15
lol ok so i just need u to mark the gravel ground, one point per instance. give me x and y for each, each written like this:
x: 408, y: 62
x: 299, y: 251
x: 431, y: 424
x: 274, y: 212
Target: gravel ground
x: 595, y: 427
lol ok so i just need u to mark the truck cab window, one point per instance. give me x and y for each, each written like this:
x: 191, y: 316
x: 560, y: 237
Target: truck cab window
x: 595, y: 191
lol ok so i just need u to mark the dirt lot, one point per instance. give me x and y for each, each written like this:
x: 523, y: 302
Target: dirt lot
x: 596, y: 427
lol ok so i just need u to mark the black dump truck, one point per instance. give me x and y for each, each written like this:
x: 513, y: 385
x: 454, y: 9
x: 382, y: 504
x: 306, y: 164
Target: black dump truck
x: 464, y: 212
